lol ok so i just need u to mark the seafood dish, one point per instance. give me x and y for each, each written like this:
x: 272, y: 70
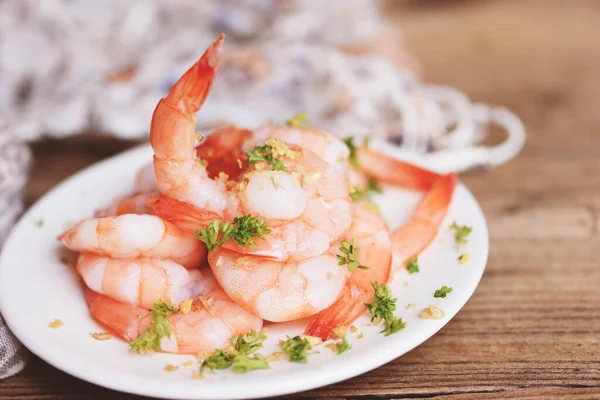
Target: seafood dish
x: 228, y: 233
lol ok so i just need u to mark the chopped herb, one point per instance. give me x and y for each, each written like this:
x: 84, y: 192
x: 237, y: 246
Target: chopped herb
x: 298, y: 120
x: 343, y: 346
x: 220, y: 359
x: 393, y: 326
x: 250, y: 342
x: 412, y: 266
x: 442, y: 292
x: 64, y: 260
x: 247, y: 227
x: 353, y: 158
x: 159, y: 328
x: 243, y: 363
x: 39, y: 223
x: 462, y: 231
x: 210, y: 234
x: 242, y: 231
x: 297, y: 349
x: 239, y: 354
x: 265, y: 153
x: 383, y: 307
x: 348, y: 256
x: 359, y: 194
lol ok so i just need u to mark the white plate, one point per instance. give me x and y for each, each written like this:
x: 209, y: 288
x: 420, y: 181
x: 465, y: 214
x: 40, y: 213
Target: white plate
x: 36, y: 288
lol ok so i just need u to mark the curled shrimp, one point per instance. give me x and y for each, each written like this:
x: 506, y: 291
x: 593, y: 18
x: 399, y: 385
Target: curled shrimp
x: 134, y: 204
x: 406, y: 242
x: 278, y: 290
x: 304, y: 201
x: 132, y: 236
x: 137, y: 281
x: 210, y: 324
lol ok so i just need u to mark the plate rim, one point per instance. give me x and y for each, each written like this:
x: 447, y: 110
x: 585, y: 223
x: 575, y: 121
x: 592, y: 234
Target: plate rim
x: 135, y: 384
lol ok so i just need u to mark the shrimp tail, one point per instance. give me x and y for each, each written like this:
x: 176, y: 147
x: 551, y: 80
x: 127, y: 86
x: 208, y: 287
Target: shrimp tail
x: 191, y: 90
x: 184, y: 215
x: 124, y: 319
x: 393, y: 171
x: 422, y: 227
x: 347, y: 308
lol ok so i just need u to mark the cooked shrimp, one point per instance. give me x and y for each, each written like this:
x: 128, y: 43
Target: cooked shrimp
x: 145, y: 180
x: 134, y: 204
x: 279, y: 291
x: 137, y: 281
x: 211, y: 323
x: 370, y: 236
x: 406, y: 243
x: 325, y: 144
x: 131, y: 236
x: 305, y: 202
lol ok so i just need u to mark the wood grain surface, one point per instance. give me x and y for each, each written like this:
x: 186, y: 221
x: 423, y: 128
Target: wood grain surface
x: 532, y: 329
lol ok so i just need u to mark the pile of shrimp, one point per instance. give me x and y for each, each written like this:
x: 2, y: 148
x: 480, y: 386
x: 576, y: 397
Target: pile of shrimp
x: 146, y: 247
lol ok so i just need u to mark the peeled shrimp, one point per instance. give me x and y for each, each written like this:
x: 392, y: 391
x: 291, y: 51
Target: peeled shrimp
x: 211, y: 323
x: 406, y: 243
x: 137, y: 281
x: 134, y: 204
x: 370, y: 235
x: 131, y: 236
x: 306, y: 206
x: 276, y: 290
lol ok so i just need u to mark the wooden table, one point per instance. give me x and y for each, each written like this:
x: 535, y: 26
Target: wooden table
x: 532, y: 329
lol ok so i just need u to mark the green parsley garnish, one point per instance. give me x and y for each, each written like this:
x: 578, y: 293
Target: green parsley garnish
x: 343, y: 346
x: 348, y: 256
x: 393, y: 326
x: 412, y: 266
x: 359, y: 194
x: 220, y: 359
x: 242, y: 231
x: 250, y: 342
x: 442, y: 292
x: 265, y: 153
x: 210, y: 234
x: 297, y: 348
x: 353, y: 158
x: 297, y: 120
x: 248, y: 227
x: 382, y: 308
x: 240, y: 355
x: 159, y: 328
x: 243, y: 363
x: 462, y: 231
x: 39, y: 223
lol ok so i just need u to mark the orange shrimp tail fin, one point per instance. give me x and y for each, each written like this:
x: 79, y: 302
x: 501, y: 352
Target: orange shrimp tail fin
x: 414, y: 236
x: 346, y: 309
x: 191, y: 90
x: 183, y: 215
x: 125, y: 320
x: 393, y: 171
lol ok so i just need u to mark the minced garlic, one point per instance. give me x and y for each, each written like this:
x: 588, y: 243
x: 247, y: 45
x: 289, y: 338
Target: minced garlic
x: 275, y: 356
x: 188, y: 363
x: 186, y: 306
x: 340, y: 331
x: 360, y: 336
x: 57, y: 323
x: 101, y: 336
x: 171, y: 368
x: 313, y: 340
x: 432, y: 312
x: 353, y: 328
x: 463, y: 258
x: 410, y: 306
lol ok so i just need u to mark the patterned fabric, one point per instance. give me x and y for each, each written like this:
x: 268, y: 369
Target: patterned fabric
x: 14, y: 162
